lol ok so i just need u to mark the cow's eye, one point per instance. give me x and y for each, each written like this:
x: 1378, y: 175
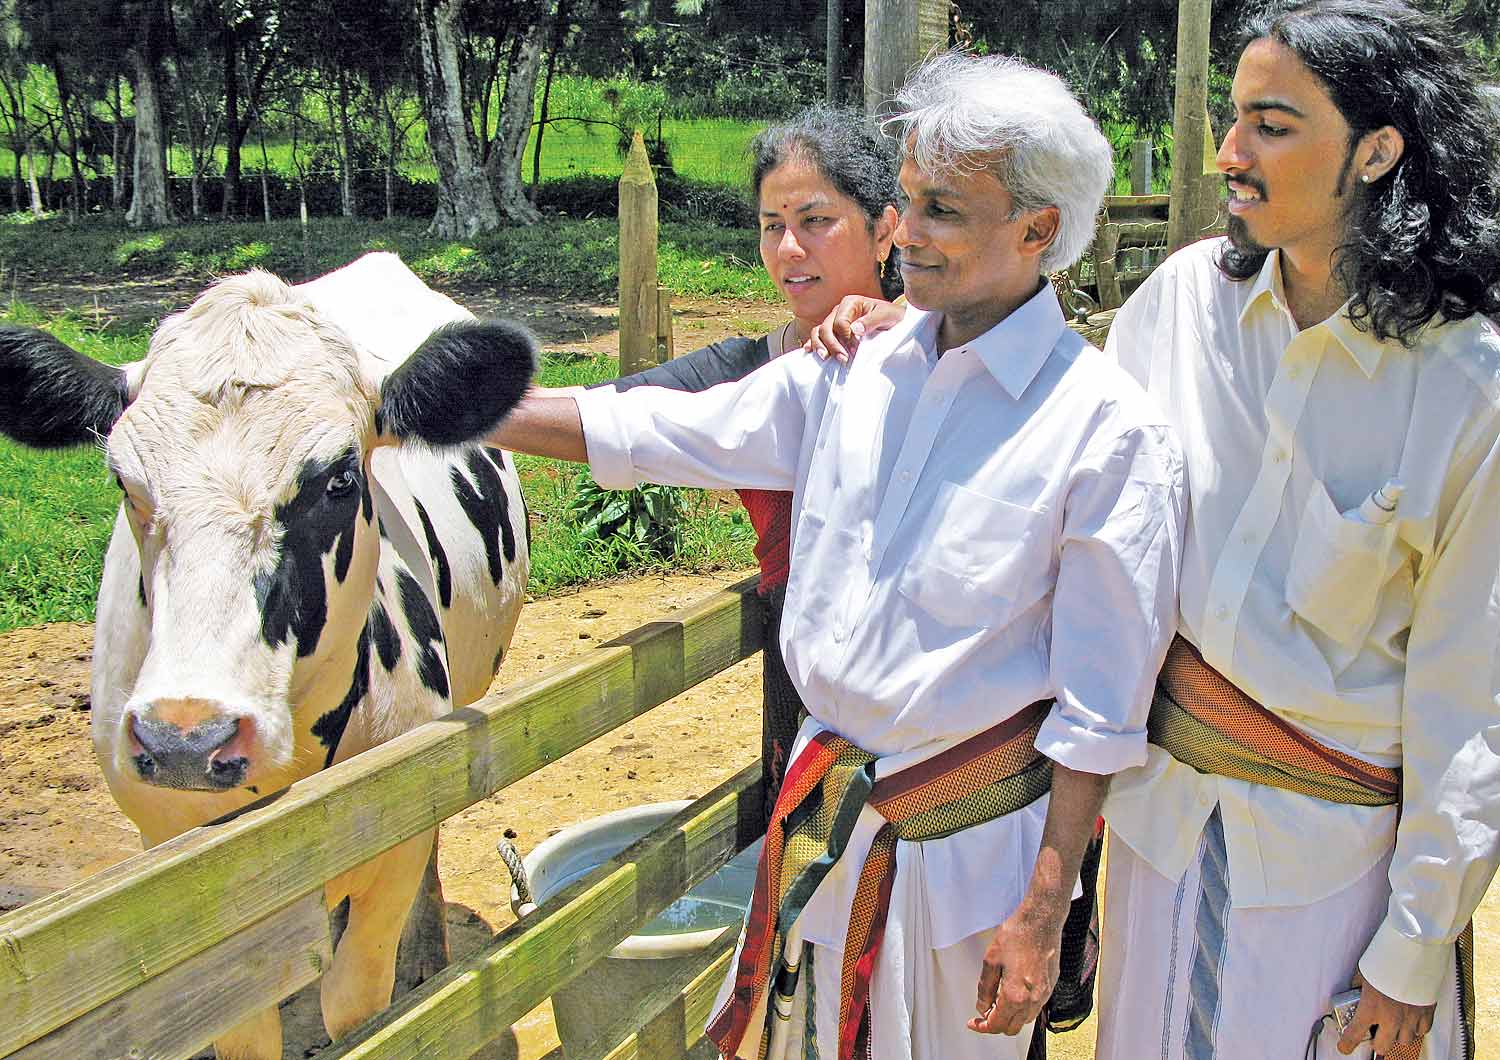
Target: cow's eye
x: 342, y: 483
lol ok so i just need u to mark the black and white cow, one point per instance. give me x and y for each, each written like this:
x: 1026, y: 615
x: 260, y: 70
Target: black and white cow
x: 308, y: 560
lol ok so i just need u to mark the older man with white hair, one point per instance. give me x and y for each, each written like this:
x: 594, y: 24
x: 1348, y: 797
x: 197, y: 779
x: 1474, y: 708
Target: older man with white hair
x: 983, y: 582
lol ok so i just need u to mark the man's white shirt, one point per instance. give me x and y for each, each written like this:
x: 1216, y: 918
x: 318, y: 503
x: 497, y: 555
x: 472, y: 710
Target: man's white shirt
x: 1381, y: 640
x: 971, y: 533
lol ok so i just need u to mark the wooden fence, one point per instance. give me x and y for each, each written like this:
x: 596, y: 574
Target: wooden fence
x: 157, y: 955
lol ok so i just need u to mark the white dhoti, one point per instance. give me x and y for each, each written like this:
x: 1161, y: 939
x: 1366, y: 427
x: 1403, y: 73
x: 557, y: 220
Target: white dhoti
x: 921, y: 997
x: 1186, y: 976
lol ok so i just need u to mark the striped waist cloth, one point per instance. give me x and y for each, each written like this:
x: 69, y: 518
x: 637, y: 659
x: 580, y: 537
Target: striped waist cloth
x: 1203, y: 720
x: 826, y: 787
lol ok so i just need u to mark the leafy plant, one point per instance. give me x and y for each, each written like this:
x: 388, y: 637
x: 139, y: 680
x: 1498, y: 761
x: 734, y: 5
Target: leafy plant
x: 646, y: 517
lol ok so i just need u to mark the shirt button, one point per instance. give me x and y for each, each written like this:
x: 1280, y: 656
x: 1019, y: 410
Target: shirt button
x: 1293, y: 372
x: 1221, y: 612
x: 1248, y: 537
x: 969, y: 585
x: 838, y: 634
x: 1279, y: 456
x: 906, y: 476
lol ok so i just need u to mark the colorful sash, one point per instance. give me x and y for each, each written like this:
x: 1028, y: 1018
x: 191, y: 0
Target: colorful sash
x: 828, y: 784
x: 1201, y: 719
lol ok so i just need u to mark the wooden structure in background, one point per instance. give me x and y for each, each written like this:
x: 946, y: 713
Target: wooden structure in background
x: 1189, y: 124
x: 898, y: 35
x: 645, y: 306
x: 155, y: 956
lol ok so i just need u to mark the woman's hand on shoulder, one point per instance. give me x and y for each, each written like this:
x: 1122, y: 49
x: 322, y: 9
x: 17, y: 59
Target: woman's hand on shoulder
x: 856, y: 317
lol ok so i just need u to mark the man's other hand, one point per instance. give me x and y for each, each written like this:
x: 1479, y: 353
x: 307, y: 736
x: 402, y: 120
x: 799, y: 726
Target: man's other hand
x: 1020, y: 969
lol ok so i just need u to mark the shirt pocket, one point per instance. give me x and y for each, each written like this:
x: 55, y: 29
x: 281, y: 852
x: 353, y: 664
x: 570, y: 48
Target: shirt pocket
x: 978, y: 559
x: 1340, y: 567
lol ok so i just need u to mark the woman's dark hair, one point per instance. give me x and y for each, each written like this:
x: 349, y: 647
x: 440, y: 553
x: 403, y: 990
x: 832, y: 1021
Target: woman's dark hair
x: 1424, y: 239
x: 848, y: 151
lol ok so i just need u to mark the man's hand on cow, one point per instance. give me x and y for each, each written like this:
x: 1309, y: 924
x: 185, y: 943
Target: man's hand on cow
x: 1391, y: 1022
x: 1020, y: 968
x: 855, y: 317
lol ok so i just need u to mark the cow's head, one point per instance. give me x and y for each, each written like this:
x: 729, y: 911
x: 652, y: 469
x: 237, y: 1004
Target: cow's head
x: 242, y: 445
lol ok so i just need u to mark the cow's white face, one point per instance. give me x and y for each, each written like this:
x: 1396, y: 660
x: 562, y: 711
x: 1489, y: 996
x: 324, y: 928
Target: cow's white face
x: 243, y: 460
x: 242, y: 444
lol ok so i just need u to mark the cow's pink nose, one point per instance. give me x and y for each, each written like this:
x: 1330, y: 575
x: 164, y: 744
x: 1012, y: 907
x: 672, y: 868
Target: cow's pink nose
x: 212, y: 754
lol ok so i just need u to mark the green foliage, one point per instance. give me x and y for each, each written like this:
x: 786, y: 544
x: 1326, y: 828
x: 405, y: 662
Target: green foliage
x: 645, y: 519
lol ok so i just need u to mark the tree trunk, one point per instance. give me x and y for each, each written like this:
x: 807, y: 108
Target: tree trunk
x: 76, y: 203
x: 559, y: 34
x: 230, y: 49
x: 117, y: 147
x: 834, y: 56
x: 504, y: 164
x: 346, y: 139
x: 392, y: 147
x: 37, y: 207
x: 149, y: 205
x: 466, y: 205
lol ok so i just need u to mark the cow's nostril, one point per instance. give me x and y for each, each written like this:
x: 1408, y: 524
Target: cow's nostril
x: 228, y: 772
x: 145, y: 765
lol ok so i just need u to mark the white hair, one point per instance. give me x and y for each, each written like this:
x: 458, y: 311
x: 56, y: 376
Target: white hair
x: 962, y: 112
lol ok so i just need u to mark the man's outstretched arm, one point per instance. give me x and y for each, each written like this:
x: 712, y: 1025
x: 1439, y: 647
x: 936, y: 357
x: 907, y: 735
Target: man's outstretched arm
x: 543, y: 424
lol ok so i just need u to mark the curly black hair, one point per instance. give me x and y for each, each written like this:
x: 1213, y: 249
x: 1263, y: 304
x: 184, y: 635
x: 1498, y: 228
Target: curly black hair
x: 848, y: 151
x: 1423, y: 240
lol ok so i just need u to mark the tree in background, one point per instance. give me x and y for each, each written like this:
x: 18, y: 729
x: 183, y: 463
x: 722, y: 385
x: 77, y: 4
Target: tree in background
x: 466, y: 203
x: 150, y: 203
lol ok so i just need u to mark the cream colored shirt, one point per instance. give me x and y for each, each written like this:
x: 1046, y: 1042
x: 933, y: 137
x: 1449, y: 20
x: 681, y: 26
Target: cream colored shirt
x: 1379, y: 640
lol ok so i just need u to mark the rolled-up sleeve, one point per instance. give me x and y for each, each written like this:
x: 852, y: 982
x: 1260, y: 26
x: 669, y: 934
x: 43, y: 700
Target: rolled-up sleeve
x: 745, y: 434
x: 1115, y: 604
x: 1448, y: 840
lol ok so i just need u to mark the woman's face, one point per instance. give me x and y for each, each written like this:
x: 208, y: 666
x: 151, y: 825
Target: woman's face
x: 816, y: 242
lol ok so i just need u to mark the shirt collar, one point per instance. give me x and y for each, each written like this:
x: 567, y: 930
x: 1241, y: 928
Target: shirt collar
x: 1362, y: 346
x: 1015, y: 349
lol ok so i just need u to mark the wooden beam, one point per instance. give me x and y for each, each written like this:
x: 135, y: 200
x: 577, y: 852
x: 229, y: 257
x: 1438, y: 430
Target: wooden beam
x: 179, y: 1012
x: 70, y: 952
x: 674, y: 1024
x: 1140, y: 166
x: 1188, y: 119
x: 899, y: 34
x: 638, y: 234
x: 472, y: 1002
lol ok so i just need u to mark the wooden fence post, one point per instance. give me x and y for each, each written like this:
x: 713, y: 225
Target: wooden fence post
x: 638, y: 233
x: 1140, y: 167
x: 663, y: 349
x: 1189, y: 115
x: 898, y: 35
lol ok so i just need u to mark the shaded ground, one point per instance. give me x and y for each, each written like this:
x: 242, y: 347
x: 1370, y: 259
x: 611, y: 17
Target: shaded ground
x: 558, y: 324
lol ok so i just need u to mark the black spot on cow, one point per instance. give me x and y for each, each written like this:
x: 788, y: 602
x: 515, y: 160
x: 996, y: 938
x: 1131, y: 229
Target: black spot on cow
x: 439, y: 557
x: 329, y: 729
x: 140, y: 588
x: 366, y: 501
x: 319, y: 517
x: 502, y: 461
x: 485, y: 503
x: 387, y: 640
x: 425, y: 632
x: 383, y: 532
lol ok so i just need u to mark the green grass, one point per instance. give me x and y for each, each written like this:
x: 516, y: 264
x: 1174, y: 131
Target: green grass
x: 563, y: 256
x: 57, y: 509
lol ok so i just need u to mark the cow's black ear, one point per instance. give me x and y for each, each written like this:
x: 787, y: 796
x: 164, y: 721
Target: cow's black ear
x: 51, y: 395
x: 459, y: 384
